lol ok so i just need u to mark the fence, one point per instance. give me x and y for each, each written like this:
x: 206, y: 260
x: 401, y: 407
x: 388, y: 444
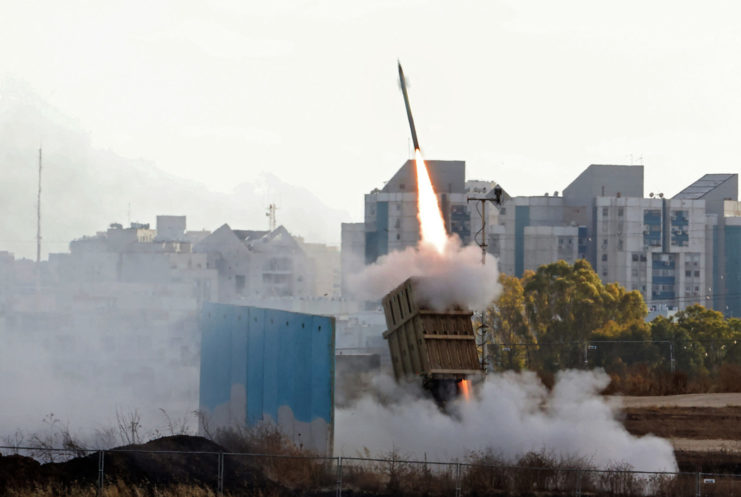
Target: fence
x: 95, y: 472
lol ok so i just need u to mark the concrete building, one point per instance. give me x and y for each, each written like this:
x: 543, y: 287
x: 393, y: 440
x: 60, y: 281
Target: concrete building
x: 324, y: 263
x: 534, y: 230
x: 728, y: 270
x: 352, y: 254
x: 391, y: 213
x: 265, y: 264
x: 719, y: 193
x: 671, y: 250
x: 675, y: 251
x: 162, y: 259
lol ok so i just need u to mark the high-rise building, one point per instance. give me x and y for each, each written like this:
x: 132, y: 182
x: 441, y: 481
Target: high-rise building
x: 391, y: 213
x: 675, y: 251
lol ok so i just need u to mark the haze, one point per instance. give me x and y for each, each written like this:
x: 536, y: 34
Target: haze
x: 527, y: 94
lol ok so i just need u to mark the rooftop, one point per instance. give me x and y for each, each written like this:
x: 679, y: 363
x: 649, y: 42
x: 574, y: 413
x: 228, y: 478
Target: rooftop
x: 703, y: 186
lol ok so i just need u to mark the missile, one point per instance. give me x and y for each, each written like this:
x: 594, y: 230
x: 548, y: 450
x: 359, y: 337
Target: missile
x: 403, y: 83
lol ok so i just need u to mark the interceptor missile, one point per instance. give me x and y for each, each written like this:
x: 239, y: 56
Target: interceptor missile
x: 409, y: 109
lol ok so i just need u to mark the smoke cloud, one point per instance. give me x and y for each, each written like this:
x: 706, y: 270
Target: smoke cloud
x: 511, y: 414
x: 85, y: 374
x: 454, y: 278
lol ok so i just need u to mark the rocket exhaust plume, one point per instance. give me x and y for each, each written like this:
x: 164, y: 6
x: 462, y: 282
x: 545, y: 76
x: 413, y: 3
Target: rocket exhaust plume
x: 465, y: 387
x: 453, y: 274
x: 431, y: 224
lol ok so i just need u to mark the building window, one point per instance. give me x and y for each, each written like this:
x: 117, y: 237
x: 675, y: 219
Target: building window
x: 604, y: 257
x: 697, y: 274
x: 605, y: 211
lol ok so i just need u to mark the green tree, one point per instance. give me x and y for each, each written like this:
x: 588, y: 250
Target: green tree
x: 689, y: 354
x: 566, y: 304
x: 733, y: 354
x: 710, y: 329
x: 510, y: 326
x: 618, y: 345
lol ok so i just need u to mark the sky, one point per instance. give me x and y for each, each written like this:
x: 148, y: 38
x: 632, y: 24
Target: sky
x: 527, y: 93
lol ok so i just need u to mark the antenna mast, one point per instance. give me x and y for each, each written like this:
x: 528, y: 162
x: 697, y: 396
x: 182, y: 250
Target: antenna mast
x: 38, y: 217
x: 497, y: 199
x: 271, y: 216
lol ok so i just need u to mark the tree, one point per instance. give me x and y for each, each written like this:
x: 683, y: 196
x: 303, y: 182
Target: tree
x: 511, y: 329
x: 566, y: 304
x: 710, y: 329
x: 689, y: 354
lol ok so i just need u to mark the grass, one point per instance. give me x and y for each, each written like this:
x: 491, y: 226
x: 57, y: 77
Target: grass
x: 291, y: 471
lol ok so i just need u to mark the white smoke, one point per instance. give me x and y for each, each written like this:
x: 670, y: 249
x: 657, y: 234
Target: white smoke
x: 454, y: 278
x: 511, y: 414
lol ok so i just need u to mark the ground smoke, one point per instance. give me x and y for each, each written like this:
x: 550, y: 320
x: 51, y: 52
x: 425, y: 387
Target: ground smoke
x: 512, y: 414
x: 454, y: 278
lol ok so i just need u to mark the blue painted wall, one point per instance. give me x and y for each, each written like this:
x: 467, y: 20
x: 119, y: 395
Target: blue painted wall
x: 256, y: 362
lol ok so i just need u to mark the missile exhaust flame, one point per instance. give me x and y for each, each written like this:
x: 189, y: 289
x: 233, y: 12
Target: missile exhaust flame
x: 465, y: 386
x: 431, y: 224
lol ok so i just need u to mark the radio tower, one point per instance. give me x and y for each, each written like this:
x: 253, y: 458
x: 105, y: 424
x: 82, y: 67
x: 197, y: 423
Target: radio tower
x: 271, y: 216
x: 38, y: 217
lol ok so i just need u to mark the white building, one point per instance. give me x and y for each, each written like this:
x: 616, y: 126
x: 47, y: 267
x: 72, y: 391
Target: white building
x: 675, y: 251
x: 257, y: 265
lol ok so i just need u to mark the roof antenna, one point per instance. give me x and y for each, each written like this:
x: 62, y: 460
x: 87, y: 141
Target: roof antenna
x: 271, y: 216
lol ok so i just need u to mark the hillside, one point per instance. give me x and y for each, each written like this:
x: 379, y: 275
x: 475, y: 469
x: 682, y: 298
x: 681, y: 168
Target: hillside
x: 85, y: 189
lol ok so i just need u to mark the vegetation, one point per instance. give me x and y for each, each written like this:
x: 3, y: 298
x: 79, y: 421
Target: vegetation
x: 480, y: 474
x: 183, y: 465
x: 562, y: 316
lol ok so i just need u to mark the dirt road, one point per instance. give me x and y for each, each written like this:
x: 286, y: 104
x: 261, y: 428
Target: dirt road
x: 688, y: 400
x: 696, y: 423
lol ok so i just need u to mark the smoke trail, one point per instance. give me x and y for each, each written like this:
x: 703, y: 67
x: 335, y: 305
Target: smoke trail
x: 453, y: 277
x: 512, y: 414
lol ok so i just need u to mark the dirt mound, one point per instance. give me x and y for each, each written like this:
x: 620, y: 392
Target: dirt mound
x: 16, y: 471
x: 150, y: 464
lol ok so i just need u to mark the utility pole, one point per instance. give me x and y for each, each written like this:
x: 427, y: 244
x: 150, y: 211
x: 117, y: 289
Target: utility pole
x: 482, y: 243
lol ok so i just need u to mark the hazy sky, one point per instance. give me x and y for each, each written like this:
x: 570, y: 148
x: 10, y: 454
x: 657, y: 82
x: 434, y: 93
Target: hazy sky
x: 528, y: 93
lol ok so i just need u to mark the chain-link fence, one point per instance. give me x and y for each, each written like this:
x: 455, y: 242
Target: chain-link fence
x: 120, y: 472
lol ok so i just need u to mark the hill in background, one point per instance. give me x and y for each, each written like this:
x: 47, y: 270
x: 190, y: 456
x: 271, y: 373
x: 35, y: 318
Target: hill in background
x: 85, y: 189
